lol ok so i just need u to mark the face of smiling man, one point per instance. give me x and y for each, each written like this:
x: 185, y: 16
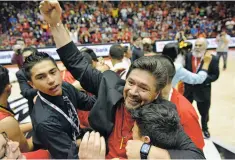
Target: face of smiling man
x: 140, y: 88
x: 45, y: 77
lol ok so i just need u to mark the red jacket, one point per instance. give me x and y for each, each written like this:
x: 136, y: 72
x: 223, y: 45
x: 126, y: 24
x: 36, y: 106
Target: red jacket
x: 188, y: 118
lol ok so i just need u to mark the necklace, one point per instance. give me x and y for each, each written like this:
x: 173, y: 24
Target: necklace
x: 123, y: 137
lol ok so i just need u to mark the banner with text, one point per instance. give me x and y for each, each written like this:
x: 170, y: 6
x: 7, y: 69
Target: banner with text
x: 100, y: 50
x: 212, y: 44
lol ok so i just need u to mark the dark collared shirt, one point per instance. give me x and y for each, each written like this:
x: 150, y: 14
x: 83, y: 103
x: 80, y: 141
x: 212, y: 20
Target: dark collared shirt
x: 52, y: 131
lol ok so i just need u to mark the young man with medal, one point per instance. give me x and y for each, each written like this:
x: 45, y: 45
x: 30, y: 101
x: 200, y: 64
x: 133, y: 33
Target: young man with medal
x: 54, y: 117
x: 115, y: 97
x: 201, y: 93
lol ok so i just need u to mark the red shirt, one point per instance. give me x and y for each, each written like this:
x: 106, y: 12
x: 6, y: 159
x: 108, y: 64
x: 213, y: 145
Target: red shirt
x: 67, y: 76
x: 125, y: 123
x: 39, y: 154
x: 4, y: 115
x: 122, y: 130
x: 195, y: 63
x: 188, y: 118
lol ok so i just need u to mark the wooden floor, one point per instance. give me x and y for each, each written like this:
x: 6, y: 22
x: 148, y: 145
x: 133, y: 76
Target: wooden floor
x: 222, y: 112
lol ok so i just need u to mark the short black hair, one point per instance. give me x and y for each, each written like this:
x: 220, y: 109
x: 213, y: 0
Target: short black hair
x: 4, y: 78
x: 125, y: 49
x: 31, y: 49
x: 160, y: 121
x: 116, y: 51
x: 154, y: 66
x: 147, y: 47
x: 169, y: 65
x: 90, y: 52
x: 33, y: 59
x: 171, y: 50
x: 189, y: 46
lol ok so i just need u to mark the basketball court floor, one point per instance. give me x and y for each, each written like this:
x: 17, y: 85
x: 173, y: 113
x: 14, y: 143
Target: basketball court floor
x: 222, y: 111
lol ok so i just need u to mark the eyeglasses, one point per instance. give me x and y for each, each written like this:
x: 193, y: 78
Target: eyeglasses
x: 5, y: 146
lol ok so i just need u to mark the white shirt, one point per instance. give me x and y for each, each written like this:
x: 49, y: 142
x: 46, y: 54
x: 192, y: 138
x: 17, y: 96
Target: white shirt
x: 186, y: 76
x: 74, y: 36
x: 120, y: 66
x: 222, y: 47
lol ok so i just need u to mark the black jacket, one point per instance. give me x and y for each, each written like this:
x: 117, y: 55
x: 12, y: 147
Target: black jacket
x: 51, y: 130
x: 202, y: 92
x: 26, y: 90
x: 108, y: 88
x: 136, y: 53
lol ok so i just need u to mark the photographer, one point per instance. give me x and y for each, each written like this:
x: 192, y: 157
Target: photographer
x: 222, y: 40
x: 180, y: 36
x: 17, y: 57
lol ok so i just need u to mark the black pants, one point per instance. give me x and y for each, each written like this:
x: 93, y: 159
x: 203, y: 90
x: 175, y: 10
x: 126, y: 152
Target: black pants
x: 225, y: 57
x: 203, y: 108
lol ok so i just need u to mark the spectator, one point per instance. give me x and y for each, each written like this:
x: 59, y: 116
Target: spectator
x: 116, y: 53
x: 137, y: 52
x: 17, y: 56
x: 223, y: 40
x: 141, y: 17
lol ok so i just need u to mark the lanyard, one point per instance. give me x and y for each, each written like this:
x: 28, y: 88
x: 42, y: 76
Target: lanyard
x: 170, y: 94
x: 195, y: 63
x: 61, y: 112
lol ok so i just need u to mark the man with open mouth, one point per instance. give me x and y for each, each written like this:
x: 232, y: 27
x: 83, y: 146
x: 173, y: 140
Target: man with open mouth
x: 54, y: 117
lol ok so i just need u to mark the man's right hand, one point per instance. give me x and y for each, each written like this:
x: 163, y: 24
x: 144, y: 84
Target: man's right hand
x: 51, y: 11
x: 207, y: 60
x: 207, y: 57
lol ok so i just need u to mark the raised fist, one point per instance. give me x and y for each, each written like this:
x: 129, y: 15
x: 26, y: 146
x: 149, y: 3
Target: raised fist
x: 207, y: 57
x: 51, y: 11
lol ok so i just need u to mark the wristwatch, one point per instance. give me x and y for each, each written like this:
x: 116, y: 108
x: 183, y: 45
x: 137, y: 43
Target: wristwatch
x: 144, y: 151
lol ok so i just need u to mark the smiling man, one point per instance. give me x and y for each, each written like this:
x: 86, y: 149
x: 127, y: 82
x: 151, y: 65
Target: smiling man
x: 54, y: 116
x: 115, y: 97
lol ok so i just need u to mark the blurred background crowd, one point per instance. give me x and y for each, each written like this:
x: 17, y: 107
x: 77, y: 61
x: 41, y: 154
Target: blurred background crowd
x: 116, y: 21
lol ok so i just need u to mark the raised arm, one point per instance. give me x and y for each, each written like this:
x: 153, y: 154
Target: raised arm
x: 186, y: 76
x: 69, y: 54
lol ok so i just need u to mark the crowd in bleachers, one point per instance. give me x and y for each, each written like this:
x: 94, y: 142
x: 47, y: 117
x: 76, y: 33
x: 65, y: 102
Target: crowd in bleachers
x: 115, y: 21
